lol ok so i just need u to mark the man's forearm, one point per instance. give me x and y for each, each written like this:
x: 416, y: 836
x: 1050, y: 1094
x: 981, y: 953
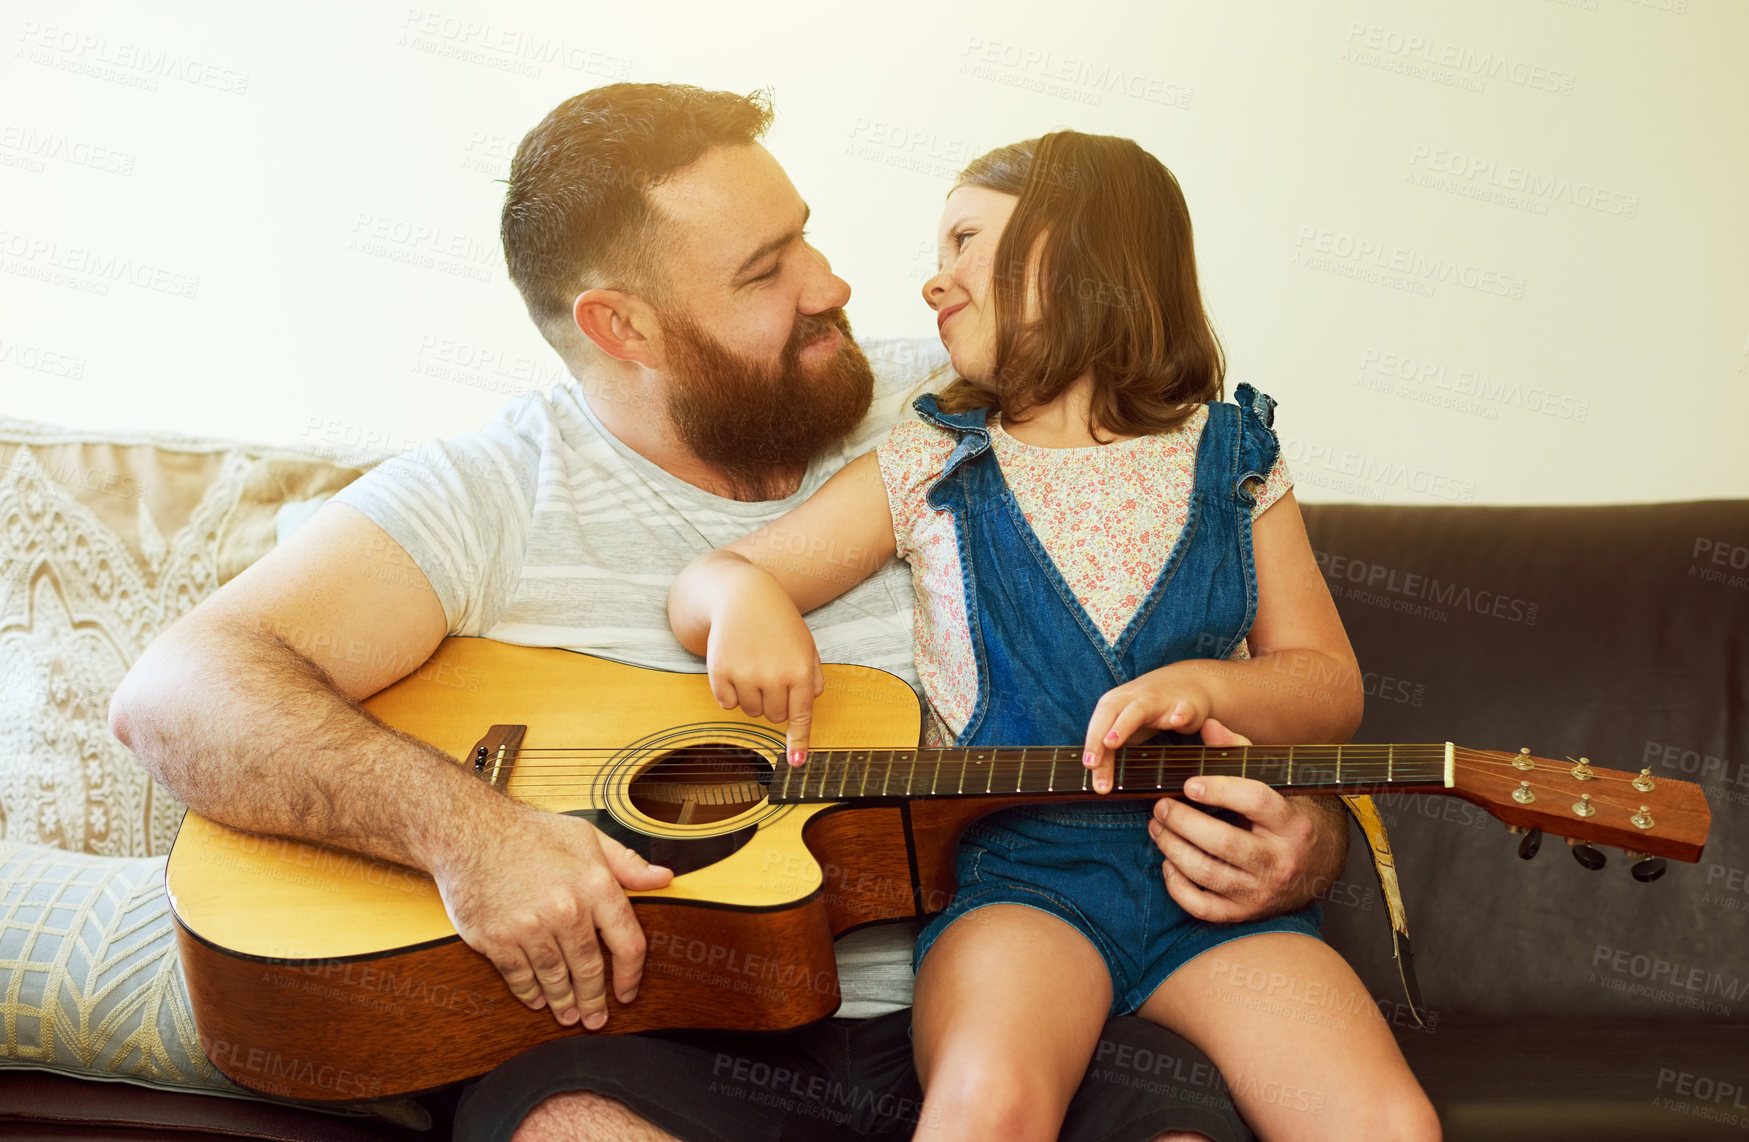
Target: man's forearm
x: 249, y: 732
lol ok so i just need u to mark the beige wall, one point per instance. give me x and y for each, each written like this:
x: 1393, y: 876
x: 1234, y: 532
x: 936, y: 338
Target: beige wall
x: 1492, y: 251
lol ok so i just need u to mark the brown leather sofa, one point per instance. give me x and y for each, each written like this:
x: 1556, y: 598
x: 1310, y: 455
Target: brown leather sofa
x: 1561, y: 1003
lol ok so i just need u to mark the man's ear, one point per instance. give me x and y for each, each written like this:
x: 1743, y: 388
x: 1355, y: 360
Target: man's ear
x: 621, y: 324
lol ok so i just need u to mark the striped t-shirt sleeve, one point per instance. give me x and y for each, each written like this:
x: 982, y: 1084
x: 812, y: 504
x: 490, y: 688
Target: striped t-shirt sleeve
x: 461, y: 508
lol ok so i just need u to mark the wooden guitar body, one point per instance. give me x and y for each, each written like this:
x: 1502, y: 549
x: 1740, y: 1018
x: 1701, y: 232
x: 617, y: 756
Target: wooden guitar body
x: 318, y: 974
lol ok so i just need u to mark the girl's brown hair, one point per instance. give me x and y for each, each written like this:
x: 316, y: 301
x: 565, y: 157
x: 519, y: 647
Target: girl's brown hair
x: 1102, y: 234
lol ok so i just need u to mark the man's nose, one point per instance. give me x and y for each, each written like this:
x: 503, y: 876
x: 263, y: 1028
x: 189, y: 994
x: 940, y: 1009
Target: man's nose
x: 825, y: 289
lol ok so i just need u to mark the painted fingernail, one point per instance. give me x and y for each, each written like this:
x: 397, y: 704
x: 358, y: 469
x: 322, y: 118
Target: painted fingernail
x: 596, y: 1021
x: 1112, y: 736
x: 1087, y: 760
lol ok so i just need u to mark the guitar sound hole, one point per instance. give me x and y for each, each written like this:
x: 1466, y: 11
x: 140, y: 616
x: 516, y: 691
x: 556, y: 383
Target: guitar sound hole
x: 701, y: 785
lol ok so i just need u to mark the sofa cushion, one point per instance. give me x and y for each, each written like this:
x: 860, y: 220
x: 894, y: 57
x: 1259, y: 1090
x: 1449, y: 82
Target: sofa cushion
x: 1524, y: 1080
x: 103, y: 544
x: 36, y: 1105
x: 90, y: 982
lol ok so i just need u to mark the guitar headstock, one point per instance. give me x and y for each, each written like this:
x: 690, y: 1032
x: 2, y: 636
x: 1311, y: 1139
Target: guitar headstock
x: 1657, y: 816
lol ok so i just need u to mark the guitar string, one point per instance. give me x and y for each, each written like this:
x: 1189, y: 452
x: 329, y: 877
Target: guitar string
x: 1144, y: 758
x: 1398, y: 766
x: 992, y: 774
x: 1045, y: 754
x: 1412, y: 768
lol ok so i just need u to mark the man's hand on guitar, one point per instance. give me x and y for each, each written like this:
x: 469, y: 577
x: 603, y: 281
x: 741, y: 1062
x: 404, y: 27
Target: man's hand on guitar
x: 1292, y: 852
x: 762, y: 658
x: 530, y: 894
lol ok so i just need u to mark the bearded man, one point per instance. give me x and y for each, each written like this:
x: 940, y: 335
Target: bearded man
x: 663, y: 253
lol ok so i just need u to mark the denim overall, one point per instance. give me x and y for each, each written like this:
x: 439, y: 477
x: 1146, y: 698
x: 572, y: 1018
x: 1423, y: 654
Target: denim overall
x: 1043, y: 665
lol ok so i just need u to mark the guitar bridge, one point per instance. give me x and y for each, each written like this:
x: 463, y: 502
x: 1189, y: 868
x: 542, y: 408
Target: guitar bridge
x: 494, y: 756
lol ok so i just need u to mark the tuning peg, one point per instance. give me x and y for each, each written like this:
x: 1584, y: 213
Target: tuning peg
x: 1587, y: 856
x: 1646, y: 868
x: 1529, y: 843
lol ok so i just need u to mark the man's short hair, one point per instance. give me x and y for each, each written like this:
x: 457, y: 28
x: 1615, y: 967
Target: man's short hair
x: 578, y: 216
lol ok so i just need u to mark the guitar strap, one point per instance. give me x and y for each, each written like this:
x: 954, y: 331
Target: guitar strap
x: 1366, y: 815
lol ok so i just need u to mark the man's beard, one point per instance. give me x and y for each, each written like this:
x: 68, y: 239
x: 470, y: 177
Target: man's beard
x: 759, y: 423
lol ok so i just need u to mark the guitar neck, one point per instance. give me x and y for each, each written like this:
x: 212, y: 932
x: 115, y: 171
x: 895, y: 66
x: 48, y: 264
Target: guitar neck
x: 1056, y: 772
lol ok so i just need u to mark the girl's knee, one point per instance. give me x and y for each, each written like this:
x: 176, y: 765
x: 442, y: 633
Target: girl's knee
x: 1402, y: 1115
x: 977, y: 1098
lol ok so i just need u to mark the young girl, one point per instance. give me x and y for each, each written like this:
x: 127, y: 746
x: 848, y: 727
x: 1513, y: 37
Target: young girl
x: 1101, y: 549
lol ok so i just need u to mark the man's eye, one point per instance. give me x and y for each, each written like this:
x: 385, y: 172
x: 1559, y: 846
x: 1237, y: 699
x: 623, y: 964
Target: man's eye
x: 768, y: 274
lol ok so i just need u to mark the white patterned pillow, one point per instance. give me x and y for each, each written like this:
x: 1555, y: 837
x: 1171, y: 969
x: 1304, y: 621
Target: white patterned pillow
x: 90, y: 982
x: 103, y: 544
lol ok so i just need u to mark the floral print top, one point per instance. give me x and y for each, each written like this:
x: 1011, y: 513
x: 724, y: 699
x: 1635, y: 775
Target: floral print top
x: 1107, y: 515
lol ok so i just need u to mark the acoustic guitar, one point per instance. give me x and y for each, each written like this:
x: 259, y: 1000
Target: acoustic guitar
x: 318, y: 974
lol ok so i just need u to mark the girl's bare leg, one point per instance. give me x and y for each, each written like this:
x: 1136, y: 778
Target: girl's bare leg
x: 1009, y: 1005
x: 1299, y: 1040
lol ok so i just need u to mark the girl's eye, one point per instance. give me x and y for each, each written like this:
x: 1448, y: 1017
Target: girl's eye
x: 959, y: 238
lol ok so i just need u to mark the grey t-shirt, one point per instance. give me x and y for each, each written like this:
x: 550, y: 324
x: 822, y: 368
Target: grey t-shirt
x: 542, y: 529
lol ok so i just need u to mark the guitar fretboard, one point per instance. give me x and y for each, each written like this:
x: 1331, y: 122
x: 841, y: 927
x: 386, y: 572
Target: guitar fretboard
x: 1047, y: 771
